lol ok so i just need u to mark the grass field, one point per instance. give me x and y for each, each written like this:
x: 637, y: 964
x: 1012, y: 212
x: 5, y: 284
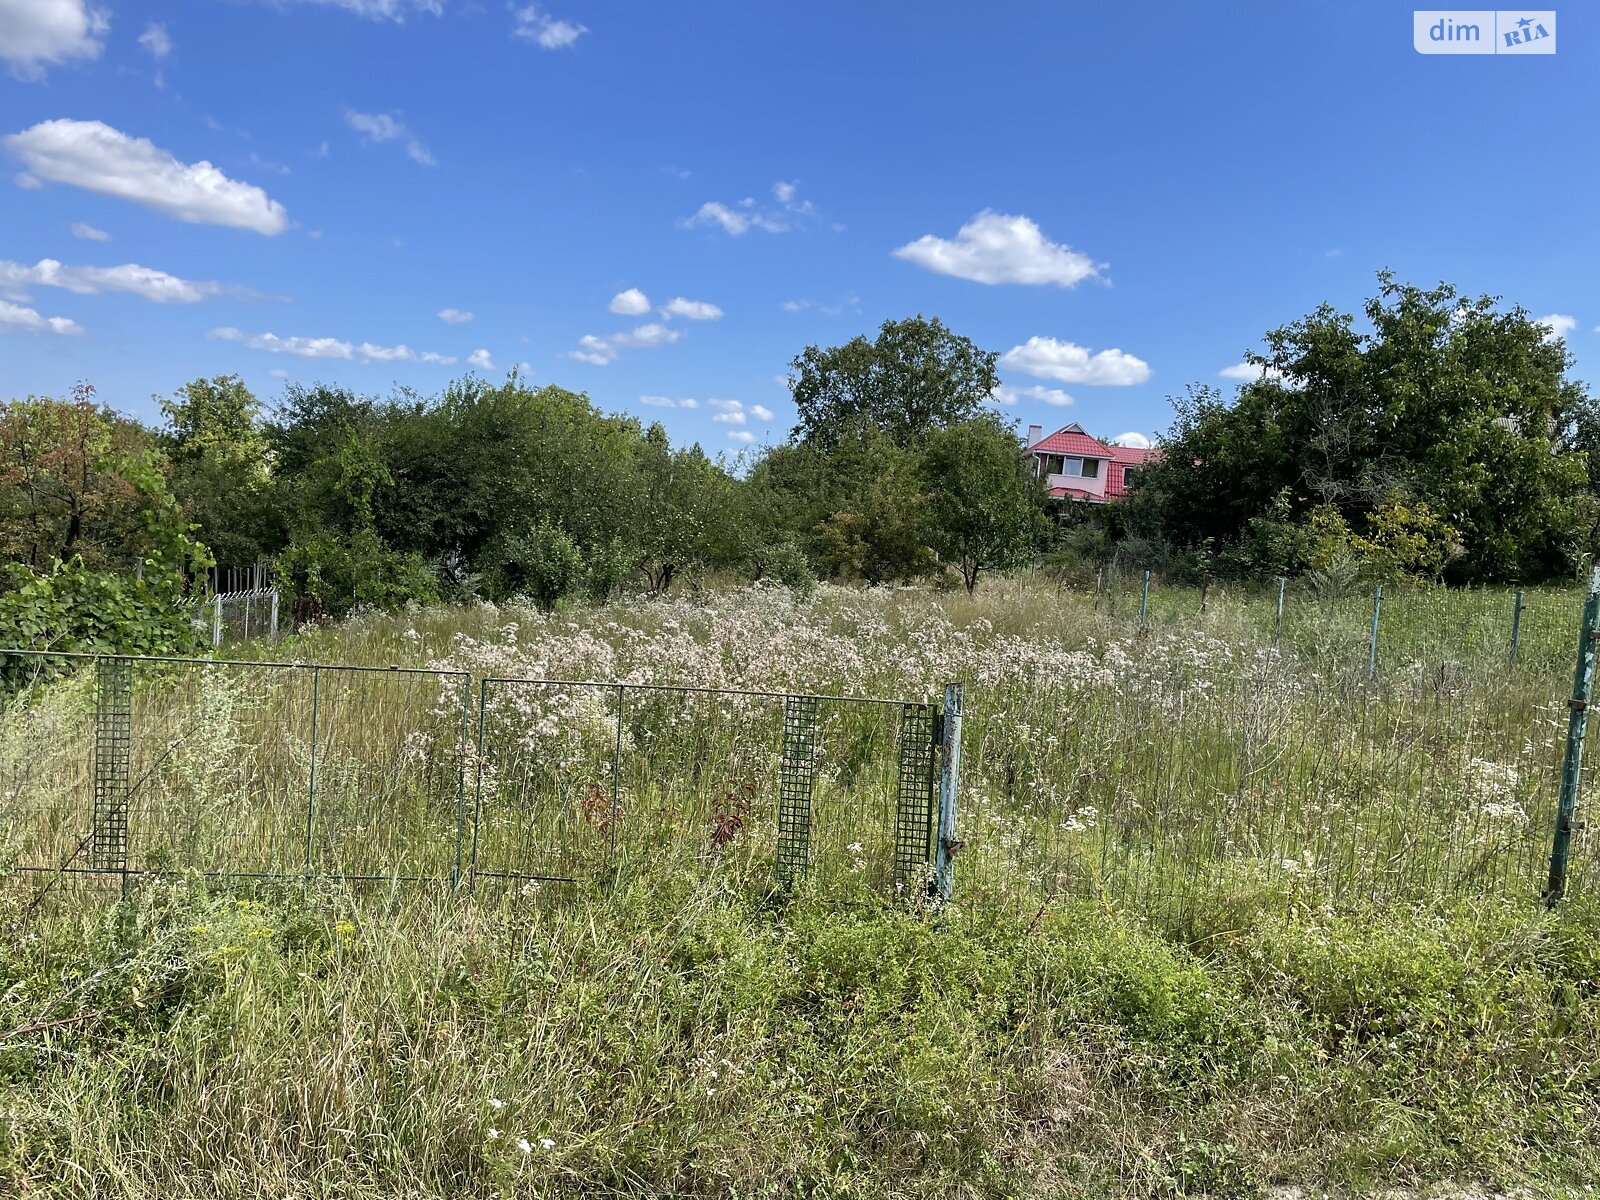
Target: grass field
x: 1230, y: 914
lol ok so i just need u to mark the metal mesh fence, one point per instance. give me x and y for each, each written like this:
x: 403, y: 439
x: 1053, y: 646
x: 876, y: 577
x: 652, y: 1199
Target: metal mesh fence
x: 578, y: 779
x: 1265, y: 783
x: 131, y: 765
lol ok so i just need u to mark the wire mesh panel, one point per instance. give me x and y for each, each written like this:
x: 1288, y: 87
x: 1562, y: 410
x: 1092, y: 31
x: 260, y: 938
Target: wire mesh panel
x: 113, y: 715
x: 914, y: 813
x: 797, y: 781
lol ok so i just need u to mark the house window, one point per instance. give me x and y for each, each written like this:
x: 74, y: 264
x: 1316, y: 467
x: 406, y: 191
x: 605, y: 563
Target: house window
x: 1130, y: 476
x: 1085, y: 468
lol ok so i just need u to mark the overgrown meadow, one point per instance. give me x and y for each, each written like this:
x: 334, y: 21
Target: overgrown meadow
x: 1229, y: 914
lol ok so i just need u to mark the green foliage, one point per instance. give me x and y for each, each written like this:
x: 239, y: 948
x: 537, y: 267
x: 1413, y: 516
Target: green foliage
x: 915, y: 377
x: 332, y: 574
x: 78, y: 481
x: 985, y: 510
x: 73, y: 608
x: 1457, y: 417
x: 543, y: 564
x: 220, y: 472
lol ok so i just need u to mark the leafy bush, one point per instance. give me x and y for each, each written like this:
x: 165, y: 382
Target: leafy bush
x: 543, y: 564
x: 79, y: 610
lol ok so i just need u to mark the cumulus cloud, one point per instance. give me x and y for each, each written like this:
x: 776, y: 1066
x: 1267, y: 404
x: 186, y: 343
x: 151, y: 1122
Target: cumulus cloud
x: 36, y: 33
x: 1006, y: 394
x: 129, y: 278
x: 631, y: 303
x: 736, y: 412
x: 741, y: 435
x: 17, y: 316
x: 89, y: 232
x: 481, y: 360
x: 455, y: 316
x: 155, y: 39
x: 599, y: 351
x: 1132, y: 439
x: 1558, y: 324
x: 668, y: 402
x: 385, y: 127
x: 94, y: 156
x: 326, y: 347
x: 533, y: 24
x: 997, y: 248
x: 737, y: 220
x: 1250, y: 372
x: 689, y: 310
x: 1066, y: 362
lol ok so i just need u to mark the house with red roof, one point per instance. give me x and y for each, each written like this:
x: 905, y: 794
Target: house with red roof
x: 1075, y: 466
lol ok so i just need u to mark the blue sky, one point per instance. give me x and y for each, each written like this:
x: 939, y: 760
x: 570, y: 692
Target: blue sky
x: 1122, y: 199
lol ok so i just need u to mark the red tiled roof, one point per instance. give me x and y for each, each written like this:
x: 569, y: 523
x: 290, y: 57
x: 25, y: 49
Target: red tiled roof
x: 1080, y: 445
x: 1116, y: 473
x: 1064, y: 493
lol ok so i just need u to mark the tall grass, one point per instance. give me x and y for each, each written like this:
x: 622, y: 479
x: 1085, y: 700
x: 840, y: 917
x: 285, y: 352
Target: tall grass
x: 1228, y: 913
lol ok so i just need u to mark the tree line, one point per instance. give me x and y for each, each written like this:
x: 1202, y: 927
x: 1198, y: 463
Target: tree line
x: 1442, y: 438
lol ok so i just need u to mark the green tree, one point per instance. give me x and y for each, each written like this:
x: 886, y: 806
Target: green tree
x: 218, y: 450
x: 80, y: 481
x: 984, y: 510
x: 916, y: 376
x: 1442, y: 402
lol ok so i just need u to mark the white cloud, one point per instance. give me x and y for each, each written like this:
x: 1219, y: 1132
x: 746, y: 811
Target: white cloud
x: 36, y: 32
x: 1006, y: 394
x: 689, y: 310
x: 1132, y: 439
x: 129, y: 278
x: 20, y: 317
x: 713, y: 212
x: 89, y: 232
x: 735, y: 412
x: 278, y: 373
x: 481, y: 360
x: 669, y: 402
x: 599, y: 351
x: 455, y: 316
x: 996, y: 248
x: 1559, y: 325
x: 94, y: 156
x: 741, y: 435
x: 738, y: 220
x: 631, y: 303
x: 325, y: 347
x: 383, y: 10
x: 385, y: 127
x: 536, y: 25
x: 156, y: 41
x: 1250, y: 372
x: 1065, y: 362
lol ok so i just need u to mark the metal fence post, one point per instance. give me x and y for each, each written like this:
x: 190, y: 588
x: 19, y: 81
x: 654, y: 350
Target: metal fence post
x: 311, y: 788
x: 1372, y: 642
x: 216, y: 621
x: 1277, y: 633
x: 1516, y: 625
x: 273, y: 616
x: 1577, y: 725
x: 1144, y: 603
x: 949, y: 782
